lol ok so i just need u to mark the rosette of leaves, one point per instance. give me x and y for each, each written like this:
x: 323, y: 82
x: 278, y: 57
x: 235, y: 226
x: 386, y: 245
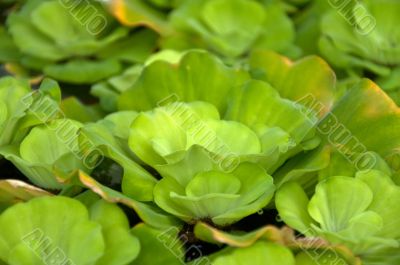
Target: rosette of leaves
x: 62, y: 230
x: 361, y: 39
x: 75, y: 41
x: 201, y: 163
x: 270, y: 117
x: 218, y: 26
x: 57, y: 141
x: 198, y: 123
x: 21, y: 108
x: 215, y: 196
x: 272, y: 107
x: 359, y: 212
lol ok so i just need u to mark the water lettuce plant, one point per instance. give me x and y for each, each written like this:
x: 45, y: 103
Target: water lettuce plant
x: 41, y: 167
x: 274, y: 112
x: 32, y: 121
x: 356, y: 211
x: 74, y: 42
x: 22, y: 108
x: 218, y: 26
x: 213, y: 25
x: 368, y: 45
x: 222, y: 198
x: 193, y: 169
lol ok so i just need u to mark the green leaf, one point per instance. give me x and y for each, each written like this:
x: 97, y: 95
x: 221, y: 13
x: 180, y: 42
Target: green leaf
x: 120, y: 122
x: 205, y: 196
x: 135, y: 48
x: 193, y: 161
x: 231, y: 32
x: 165, y: 243
x: 282, y: 125
x: 278, y: 34
x: 243, y: 141
x: 260, y: 253
x: 385, y: 201
x: 122, y: 247
x: 170, y: 56
x: 58, y: 140
x: 309, y: 81
x: 51, y: 138
x: 23, y: 33
x: 363, y: 110
x: 150, y: 214
x: 50, y: 88
x: 63, y: 28
x: 199, y: 76
x: 212, y: 182
x: 303, y: 168
x: 52, y: 226
x: 346, y: 132
x: 291, y: 203
x: 337, y: 200
x: 363, y: 225
x: 83, y: 71
x: 106, y: 94
x: 258, y: 103
x: 76, y: 110
x: 156, y: 135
